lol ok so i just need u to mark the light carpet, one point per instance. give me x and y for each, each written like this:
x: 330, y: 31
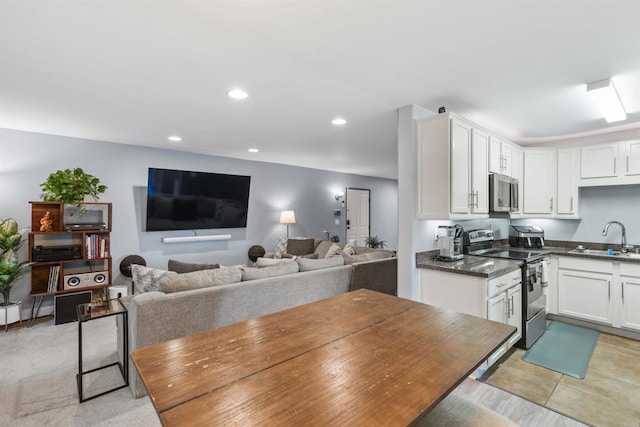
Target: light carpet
x: 38, y: 368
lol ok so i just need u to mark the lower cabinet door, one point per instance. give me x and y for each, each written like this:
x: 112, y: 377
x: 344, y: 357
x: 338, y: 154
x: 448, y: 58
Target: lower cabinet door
x: 514, y: 313
x: 585, y: 295
x: 631, y: 303
x: 497, y: 308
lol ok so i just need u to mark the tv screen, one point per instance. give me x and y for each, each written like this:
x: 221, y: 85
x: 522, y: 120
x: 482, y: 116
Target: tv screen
x: 186, y: 200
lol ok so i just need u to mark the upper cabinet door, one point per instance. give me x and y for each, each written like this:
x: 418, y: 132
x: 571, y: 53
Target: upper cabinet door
x: 632, y: 158
x: 517, y: 172
x: 539, y: 181
x: 479, y: 172
x: 507, y: 158
x: 495, y: 155
x: 568, y: 181
x: 460, y: 166
x: 599, y: 161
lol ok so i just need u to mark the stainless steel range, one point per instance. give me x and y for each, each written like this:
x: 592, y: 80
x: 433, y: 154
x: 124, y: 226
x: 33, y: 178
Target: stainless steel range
x: 479, y: 243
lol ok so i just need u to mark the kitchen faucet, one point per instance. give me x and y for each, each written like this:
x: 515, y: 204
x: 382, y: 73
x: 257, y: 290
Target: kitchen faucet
x: 623, y: 250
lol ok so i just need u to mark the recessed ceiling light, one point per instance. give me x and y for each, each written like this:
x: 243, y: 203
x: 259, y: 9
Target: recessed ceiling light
x: 604, y: 95
x: 238, y: 94
x: 253, y: 150
x: 338, y: 121
x: 175, y: 138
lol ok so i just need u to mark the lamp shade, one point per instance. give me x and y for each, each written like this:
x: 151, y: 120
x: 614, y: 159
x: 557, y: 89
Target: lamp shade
x: 287, y: 217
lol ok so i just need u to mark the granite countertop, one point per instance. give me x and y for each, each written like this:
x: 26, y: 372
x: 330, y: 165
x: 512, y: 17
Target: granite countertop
x: 469, y: 265
x: 492, y: 267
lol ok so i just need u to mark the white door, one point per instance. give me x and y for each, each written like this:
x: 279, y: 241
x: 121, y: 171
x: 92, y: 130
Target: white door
x: 514, y: 312
x: 631, y: 303
x: 460, y: 166
x: 479, y: 172
x: 585, y: 295
x: 632, y: 159
x: 357, y: 216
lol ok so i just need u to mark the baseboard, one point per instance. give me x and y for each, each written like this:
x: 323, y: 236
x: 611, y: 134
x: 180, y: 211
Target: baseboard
x: 602, y: 328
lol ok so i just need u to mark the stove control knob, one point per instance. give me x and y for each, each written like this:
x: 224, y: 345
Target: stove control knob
x: 473, y: 235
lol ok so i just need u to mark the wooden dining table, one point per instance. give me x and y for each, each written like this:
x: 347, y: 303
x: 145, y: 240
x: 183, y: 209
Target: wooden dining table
x: 359, y: 358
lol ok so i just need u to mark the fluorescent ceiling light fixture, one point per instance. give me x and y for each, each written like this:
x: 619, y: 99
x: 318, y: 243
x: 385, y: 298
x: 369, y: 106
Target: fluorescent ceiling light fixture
x: 253, y: 150
x: 604, y: 95
x: 338, y: 121
x: 238, y: 94
x: 175, y: 138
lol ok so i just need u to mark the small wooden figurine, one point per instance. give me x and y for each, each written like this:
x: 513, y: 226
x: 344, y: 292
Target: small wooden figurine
x: 46, y: 223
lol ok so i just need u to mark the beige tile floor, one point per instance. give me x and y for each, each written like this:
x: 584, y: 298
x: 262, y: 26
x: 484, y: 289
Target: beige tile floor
x: 609, y: 395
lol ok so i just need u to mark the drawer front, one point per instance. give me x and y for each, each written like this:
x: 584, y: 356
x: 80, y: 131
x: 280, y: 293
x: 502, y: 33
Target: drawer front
x: 584, y: 264
x: 630, y: 269
x: 504, y: 282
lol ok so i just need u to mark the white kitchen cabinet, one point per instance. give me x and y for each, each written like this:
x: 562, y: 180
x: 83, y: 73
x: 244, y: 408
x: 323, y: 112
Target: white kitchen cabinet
x: 517, y: 172
x: 632, y: 158
x: 514, y: 312
x: 614, y: 163
x: 500, y: 156
x: 539, y: 182
x: 585, y: 295
x: 453, y: 176
x: 568, y: 163
x: 630, y: 300
x: 599, y: 161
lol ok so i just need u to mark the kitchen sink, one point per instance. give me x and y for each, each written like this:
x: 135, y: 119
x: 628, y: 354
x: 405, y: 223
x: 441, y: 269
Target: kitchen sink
x: 600, y: 252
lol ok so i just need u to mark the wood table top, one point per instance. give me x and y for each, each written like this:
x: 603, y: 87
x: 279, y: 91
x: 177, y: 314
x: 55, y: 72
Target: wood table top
x: 357, y: 358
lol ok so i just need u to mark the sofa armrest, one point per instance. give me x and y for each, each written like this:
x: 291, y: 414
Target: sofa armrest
x: 377, y: 275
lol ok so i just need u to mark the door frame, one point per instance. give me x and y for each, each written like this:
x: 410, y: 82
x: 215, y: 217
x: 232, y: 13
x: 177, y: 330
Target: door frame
x: 346, y: 208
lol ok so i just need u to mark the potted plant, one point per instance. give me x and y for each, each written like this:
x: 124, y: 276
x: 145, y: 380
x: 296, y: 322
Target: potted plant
x: 10, y: 269
x: 71, y: 186
x: 375, y: 243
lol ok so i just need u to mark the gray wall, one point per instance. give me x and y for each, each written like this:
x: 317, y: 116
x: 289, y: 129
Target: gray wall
x: 26, y: 159
x: 598, y: 205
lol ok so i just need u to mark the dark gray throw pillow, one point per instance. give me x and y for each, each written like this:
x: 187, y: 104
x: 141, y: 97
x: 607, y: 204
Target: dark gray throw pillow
x: 187, y: 267
x: 300, y: 246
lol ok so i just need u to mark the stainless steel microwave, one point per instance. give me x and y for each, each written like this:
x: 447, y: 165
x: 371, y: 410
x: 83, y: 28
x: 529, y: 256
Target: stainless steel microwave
x: 503, y: 193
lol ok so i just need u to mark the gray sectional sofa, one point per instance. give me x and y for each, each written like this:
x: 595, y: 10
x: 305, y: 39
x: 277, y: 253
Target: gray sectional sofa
x: 156, y: 317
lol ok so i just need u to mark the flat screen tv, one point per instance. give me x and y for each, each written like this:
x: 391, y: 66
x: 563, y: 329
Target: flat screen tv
x: 187, y: 200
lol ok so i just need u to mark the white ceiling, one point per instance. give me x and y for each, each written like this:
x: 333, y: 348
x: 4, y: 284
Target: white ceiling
x: 135, y: 72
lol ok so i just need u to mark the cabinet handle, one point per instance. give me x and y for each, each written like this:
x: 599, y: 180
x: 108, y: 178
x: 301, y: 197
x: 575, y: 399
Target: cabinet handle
x: 622, y: 291
x: 501, y: 285
x: 511, y: 305
x: 609, y: 282
x: 615, y: 163
x: 551, y: 204
x: 475, y: 195
x: 571, y: 204
x: 507, y: 309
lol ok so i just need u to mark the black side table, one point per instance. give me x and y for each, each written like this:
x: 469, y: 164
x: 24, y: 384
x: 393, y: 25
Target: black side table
x: 92, y: 311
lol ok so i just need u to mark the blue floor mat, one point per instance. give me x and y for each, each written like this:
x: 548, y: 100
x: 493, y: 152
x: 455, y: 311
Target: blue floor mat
x: 564, y: 348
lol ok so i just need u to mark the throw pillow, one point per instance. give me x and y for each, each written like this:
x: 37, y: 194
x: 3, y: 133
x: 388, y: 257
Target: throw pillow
x: 200, y: 279
x: 281, y: 248
x: 147, y: 279
x: 309, y: 256
x: 250, y: 273
x: 333, y: 251
x: 378, y: 255
x: 316, y: 264
x: 323, y: 247
x: 186, y: 267
x: 299, y: 246
x: 348, y: 250
x: 267, y: 262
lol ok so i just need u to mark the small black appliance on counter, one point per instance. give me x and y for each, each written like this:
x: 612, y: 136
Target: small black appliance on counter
x: 526, y: 236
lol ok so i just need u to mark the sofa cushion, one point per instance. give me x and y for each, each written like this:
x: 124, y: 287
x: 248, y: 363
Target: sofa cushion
x: 251, y: 273
x: 267, y: 262
x: 299, y: 246
x: 200, y: 279
x: 378, y: 255
x: 187, y: 267
x: 146, y: 279
x: 350, y: 259
x: 281, y: 248
x: 348, y: 250
x: 316, y: 264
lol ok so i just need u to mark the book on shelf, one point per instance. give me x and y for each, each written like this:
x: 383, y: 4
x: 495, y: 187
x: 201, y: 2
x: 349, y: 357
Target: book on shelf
x: 54, y: 274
